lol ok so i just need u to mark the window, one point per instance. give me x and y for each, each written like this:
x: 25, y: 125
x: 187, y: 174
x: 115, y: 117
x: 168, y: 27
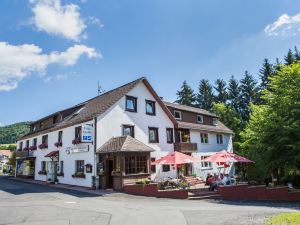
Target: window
x: 150, y: 107
x: 204, y: 138
x: 55, y: 119
x: 35, y: 142
x: 45, y: 139
x: 60, y: 134
x: 79, y: 166
x: 131, y: 104
x: 169, y: 135
x: 153, y: 135
x: 21, y: 146
x: 136, y: 164
x: 78, y: 133
x: 183, y: 136
x: 43, y: 166
x: 165, y: 168
x: 219, y: 139
x: 215, y: 121
x: 128, y: 130
x: 177, y: 115
x: 205, y: 164
x: 61, y: 166
x: 153, y: 167
x: 199, y: 119
x: 27, y: 144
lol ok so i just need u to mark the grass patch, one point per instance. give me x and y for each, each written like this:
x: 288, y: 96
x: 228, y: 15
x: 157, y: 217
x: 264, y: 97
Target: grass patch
x: 284, y: 219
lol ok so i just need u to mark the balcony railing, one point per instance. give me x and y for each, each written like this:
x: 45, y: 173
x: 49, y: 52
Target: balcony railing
x: 185, y: 147
x: 21, y: 154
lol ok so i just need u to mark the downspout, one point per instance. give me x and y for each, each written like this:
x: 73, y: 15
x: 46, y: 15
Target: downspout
x: 95, y: 156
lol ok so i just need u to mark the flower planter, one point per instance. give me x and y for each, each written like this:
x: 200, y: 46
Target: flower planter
x: 25, y: 149
x: 42, y: 173
x: 32, y: 148
x: 76, y: 141
x: 43, y: 146
x: 58, y: 144
x: 78, y: 175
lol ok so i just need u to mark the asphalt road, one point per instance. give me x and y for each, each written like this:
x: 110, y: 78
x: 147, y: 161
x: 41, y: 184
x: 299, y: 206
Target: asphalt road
x: 24, y: 204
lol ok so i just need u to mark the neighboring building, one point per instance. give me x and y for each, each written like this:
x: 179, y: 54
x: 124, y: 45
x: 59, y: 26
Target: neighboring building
x: 5, y: 155
x: 199, y: 133
x: 113, y: 136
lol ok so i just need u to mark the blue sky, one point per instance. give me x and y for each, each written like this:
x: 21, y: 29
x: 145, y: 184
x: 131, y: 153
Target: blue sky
x: 53, y: 52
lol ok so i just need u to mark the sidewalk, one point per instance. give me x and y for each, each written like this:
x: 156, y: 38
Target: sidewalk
x: 67, y: 187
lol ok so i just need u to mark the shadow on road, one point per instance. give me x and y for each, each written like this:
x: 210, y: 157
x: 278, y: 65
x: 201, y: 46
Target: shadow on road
x: 16, y: 187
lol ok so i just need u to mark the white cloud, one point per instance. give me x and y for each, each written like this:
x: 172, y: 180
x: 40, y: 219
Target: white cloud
x: 57, y: 19
x: 20, y: 61
x: 59, y: 77
x: 285, y: 25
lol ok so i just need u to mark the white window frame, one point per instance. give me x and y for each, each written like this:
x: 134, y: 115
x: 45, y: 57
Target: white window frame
x: 199, y: 116
x: 176, y: 111
x: 215, y: 121
x: 219, y: 139
x: 205, y: 165
x: 203, y: 139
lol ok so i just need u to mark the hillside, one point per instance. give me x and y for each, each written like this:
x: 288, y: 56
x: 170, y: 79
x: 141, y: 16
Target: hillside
x: 9, y: 134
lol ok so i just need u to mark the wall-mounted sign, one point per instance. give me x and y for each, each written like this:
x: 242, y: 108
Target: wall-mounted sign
x: 87, y: 133
x: 77, y: 149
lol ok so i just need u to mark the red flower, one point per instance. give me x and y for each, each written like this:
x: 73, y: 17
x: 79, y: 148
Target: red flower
x: 42, y: 146
x: 32, y: 148
x: 76, y: 141
x: 58, y: 144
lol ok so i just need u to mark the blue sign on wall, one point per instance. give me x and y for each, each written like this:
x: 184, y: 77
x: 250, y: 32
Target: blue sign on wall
x: 87, y: 133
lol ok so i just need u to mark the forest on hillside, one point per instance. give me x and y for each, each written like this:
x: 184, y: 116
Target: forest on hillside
x: 9, y: 134
x: 264, y: 115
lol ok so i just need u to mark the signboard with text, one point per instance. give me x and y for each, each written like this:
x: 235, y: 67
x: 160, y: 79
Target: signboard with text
x: 87, y: 133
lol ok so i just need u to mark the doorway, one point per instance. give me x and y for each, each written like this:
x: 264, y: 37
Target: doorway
x: 109, y: 177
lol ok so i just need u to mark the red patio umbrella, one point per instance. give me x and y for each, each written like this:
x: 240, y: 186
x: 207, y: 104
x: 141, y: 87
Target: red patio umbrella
x: 225, y: 156
x: 175, y: 158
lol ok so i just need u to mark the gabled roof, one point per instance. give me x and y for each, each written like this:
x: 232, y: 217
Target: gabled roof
x: 97, y: 106
x: 123, y: 144
x: 189, y: 109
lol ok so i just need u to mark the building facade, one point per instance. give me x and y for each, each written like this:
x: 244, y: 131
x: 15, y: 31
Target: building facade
x: 86, y: 145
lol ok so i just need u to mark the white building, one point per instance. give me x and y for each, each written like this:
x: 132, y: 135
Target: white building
x: 90, y: 140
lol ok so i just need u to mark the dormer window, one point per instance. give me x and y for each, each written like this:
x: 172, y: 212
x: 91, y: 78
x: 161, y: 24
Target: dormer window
x: 177, y: 115
x: 55, y: 119
x: 199, y: 119
x: 131, y: 104
x: 150, y: 107
x: 215, y: 121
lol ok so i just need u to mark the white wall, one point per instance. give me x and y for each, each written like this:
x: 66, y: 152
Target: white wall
x: 69, y: 159
x: 209, y: 149
x: 110, y: 123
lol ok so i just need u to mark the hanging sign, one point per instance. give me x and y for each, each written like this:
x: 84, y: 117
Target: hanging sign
x: 87, y: 133
x: 77, y: 149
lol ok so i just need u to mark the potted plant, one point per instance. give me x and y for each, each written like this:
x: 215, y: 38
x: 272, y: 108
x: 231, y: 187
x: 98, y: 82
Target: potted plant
x: 25, y: 149
x: 78, y: 175
x: 76, y: 141
x: 42, y: 146
x: 32, y: 148
x: 184, y: 185
x: 56, y: 181
x: 58, y: 144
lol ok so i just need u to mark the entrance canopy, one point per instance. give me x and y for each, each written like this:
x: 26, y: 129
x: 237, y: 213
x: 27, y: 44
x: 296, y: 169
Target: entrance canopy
x: 123, y: 144
x: 53, y: 154
x: 225, y: 156
x: 176, y: 158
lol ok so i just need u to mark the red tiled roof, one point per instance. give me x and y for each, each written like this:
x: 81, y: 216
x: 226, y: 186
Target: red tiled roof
x: 7, y: 153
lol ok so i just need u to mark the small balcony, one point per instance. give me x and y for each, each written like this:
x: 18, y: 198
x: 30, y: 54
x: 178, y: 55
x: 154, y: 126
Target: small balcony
x: 185, y: 147
x: 22, y: 154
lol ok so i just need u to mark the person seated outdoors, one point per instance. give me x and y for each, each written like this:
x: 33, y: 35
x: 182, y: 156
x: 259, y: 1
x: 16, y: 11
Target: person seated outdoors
x: 207, y: 177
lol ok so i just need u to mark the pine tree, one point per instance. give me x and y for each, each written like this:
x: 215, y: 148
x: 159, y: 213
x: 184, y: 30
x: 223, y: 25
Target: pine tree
x: 289, y: 58
x: 249, y: 94
x: 234, y: 93
x: 296, y: 54
x: 185, y: 95
x: 205, y: 96
x: 265, y: 73
x: 221, y: 95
